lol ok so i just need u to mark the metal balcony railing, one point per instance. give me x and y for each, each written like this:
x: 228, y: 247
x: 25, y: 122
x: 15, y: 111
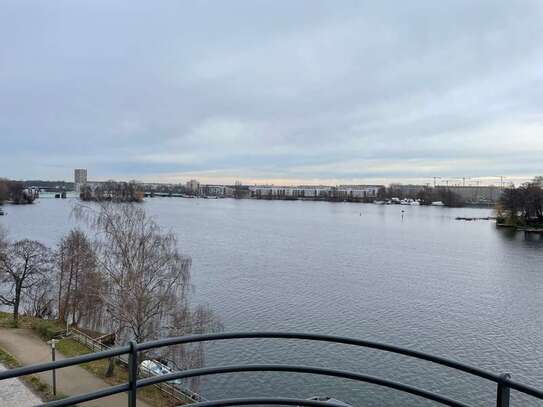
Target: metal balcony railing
x: 503, y: 382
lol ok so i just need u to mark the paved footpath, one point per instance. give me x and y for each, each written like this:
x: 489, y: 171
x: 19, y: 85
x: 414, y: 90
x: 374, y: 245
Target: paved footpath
x: 16, y: 394
x: 29, y: 349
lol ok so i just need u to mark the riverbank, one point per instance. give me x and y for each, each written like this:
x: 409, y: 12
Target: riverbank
x: 527, y: 229
x: 28, y: 348
x: 520, y: 225
x: 26, y: 345
x: 24, y: 390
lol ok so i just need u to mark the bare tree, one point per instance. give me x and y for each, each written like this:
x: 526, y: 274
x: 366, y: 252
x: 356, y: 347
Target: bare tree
x: 114, y: 191
x: 4, y: 190
x: 184, y: 321
x: 23, y: 265
x: 39, y: 299
x: 146, y: 277
x: 146, y: 280
x: 76, y: 262
x: 523, y: 205
x: 3, y: 240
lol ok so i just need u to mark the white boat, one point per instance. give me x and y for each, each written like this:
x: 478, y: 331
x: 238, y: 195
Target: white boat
x: 438, y: 203
x: 154, y: 368
x: 330, y: 400
x: 379, y: 202
x: 409, y: 201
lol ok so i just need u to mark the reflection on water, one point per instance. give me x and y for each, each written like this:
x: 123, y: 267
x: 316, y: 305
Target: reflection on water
x: 464, y: 290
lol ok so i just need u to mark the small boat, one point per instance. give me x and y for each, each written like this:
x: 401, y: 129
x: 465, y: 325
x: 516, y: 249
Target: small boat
x: 2, y: 213
x: 330, y: 400
x: 379, y: 202
x: 438, y: 203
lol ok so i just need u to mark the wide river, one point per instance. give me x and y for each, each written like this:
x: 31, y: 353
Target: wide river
x: 462, y: 290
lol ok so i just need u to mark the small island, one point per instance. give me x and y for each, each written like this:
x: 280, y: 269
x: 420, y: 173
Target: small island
x: 16, y: 192
x: 522, y: 208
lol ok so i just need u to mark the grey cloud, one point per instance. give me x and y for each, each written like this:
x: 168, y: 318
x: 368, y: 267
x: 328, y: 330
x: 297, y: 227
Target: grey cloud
x: 306, y: 90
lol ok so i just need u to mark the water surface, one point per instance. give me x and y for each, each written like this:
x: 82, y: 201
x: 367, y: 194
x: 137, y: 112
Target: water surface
x: 463, y: 290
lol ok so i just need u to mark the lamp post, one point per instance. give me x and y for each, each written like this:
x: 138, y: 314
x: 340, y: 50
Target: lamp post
x: 53, y: 343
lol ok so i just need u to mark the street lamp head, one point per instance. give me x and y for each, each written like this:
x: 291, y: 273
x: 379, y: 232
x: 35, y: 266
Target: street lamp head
x: 53, y: 343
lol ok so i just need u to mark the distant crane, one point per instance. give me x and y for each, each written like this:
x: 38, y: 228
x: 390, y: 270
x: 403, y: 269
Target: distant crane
x: 463, y: 181
x: 501, y: 180
x: 435, y: 178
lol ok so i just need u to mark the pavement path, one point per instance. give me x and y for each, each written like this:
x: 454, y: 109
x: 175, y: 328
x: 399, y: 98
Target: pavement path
x: 16, y: 394
x: 29, y: 349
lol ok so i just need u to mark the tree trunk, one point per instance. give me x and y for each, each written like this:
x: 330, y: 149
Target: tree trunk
x: 110, y: 367
x: 18, y: 288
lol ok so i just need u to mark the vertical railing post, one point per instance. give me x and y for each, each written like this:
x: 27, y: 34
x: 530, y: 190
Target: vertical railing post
x: 132, y: 374
x: 504, y: 391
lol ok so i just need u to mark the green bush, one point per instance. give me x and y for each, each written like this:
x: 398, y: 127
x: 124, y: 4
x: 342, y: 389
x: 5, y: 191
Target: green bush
x: 47, y: 329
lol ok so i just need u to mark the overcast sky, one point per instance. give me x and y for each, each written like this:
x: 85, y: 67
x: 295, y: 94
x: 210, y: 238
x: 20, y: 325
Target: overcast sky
x: 279, y: 91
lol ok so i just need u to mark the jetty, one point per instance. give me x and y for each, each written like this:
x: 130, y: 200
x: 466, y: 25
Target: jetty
x: 469, y: 219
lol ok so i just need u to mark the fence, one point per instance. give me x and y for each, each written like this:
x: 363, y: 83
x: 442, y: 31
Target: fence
x: 503, y: 382
x: 175, y: 391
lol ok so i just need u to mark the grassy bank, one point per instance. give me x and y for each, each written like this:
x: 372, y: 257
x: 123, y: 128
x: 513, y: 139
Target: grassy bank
x: 48, y: 329
x: 152, y: 395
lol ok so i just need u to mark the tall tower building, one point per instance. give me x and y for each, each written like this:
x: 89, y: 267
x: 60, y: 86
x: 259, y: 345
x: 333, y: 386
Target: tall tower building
x: 80, y: 178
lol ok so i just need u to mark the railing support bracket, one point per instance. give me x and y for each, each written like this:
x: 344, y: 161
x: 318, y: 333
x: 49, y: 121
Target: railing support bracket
x: 132, y: 374
x: 504, y: 391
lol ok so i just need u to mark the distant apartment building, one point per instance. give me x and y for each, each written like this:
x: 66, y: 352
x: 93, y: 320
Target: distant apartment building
x: 213, y: 190
x: 406, y: 190
x: 342, y: 192
x: 80, y: 178
x: 287, y: 192
x: 359, y: 191
x: 192, y: 186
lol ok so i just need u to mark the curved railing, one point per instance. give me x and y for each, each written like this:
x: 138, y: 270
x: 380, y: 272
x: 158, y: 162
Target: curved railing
x: 503, y: 382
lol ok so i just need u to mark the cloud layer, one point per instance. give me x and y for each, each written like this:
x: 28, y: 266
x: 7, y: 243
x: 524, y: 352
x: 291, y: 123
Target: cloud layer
x: 302, y: 91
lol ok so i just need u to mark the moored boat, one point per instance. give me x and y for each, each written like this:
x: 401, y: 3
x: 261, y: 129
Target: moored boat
x: 330, y: 400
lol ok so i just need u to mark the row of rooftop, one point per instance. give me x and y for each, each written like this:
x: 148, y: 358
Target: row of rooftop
x: 468, y: 194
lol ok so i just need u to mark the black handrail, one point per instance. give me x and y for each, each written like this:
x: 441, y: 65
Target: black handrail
x: 504, y: 383
x: 304, y: 369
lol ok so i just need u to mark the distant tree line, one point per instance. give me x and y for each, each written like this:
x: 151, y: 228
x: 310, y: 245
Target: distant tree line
x: 113, y: 191
x: 443, y: 194
x: 14, y: 192
x: 130, y: 280
x: 522, y: 206
x: 50, y: 185
x: 426, y: 195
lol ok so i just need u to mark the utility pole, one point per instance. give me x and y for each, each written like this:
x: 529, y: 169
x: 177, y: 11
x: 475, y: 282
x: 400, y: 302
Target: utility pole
x: 435, y: 178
